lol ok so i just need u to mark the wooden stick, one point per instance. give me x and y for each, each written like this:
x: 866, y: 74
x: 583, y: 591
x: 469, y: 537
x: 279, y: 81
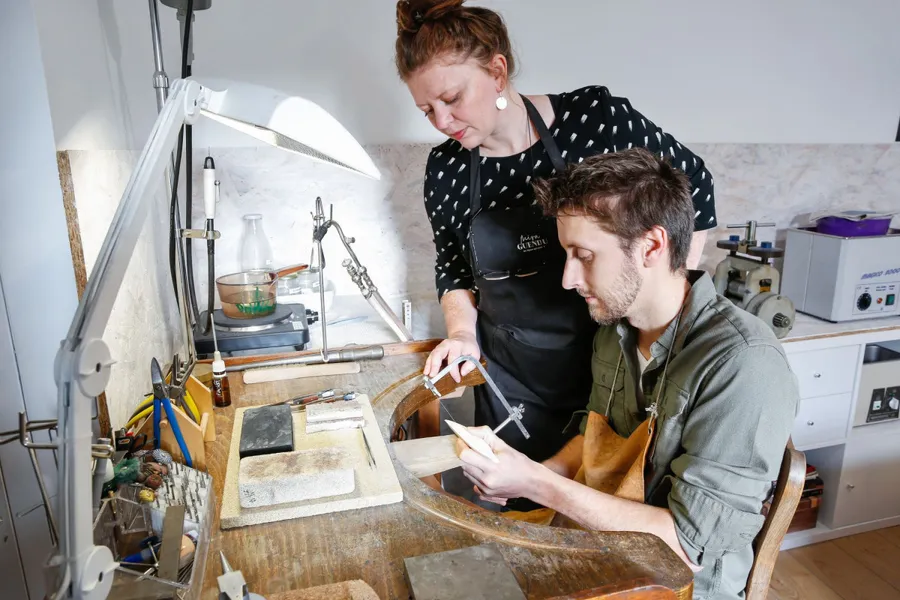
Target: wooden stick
x: 427, y: 456
x: 268, y: 374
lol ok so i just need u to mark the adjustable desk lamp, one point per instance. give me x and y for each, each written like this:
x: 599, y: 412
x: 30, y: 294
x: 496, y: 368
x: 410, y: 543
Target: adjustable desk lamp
x: 82, y: 366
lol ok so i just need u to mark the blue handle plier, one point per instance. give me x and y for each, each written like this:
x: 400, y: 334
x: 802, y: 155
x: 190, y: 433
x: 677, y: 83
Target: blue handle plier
x: 161, y: 401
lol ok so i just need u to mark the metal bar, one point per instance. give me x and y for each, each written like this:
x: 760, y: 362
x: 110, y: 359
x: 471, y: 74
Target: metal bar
x: 346, y: 355
x: 51, y: 520
x: 25, y: 438
x: 14, y: 436
x: 322, y: 318
x: 160, y: 79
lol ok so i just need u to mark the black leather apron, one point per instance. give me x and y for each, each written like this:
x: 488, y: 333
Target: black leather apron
x: 536, y: 336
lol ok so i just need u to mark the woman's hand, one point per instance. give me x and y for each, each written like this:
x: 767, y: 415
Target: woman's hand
x: 458, y: 344
x: 513, y: 476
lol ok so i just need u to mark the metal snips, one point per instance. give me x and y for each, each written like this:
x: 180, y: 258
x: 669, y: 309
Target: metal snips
x: 162, y: 401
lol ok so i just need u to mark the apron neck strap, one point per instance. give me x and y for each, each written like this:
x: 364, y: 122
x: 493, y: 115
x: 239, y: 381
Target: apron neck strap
x: 475, y: 180
x: 653, y: 409
x: 546, y: 139
x: 613, y: 386
x: 549, y: 143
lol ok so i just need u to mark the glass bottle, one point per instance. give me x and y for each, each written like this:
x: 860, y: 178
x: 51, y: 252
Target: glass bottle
x: 221, y: 391
x: 256, y: 254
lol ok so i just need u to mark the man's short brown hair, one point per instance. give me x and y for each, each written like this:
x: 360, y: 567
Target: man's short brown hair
x: 626, y: 193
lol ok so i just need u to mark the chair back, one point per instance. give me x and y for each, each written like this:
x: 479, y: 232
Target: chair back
x: 788, y: 490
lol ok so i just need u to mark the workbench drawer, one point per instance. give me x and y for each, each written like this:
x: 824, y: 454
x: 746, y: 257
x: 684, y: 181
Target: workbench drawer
x: 821, y: 420
x: 825, y: 372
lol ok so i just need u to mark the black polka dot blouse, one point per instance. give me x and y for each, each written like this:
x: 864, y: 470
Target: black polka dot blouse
x: 588, y: 121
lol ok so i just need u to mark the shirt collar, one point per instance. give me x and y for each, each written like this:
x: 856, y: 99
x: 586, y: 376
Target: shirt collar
x: 702, y: 292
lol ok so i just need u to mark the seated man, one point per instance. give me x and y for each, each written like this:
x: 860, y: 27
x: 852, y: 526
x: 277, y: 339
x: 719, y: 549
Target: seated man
x: 705, y: 383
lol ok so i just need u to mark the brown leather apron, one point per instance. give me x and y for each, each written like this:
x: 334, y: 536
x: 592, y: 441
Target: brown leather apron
x: 610, y: 463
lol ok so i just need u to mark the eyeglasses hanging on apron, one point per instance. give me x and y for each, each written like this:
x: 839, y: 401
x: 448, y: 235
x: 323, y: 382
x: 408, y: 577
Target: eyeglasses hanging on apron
x: 515, y: 242
x: 610, y: 463
x: 535, y: 335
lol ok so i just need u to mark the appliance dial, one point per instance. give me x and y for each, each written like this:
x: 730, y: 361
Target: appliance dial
x: 894, y: 404
x: 864, y: 301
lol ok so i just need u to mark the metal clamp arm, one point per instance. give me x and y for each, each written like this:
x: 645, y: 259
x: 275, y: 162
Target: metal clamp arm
x: 515, y: 414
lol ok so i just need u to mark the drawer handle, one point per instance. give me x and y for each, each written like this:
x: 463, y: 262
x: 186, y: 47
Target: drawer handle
x: 810, y: 423
x: 817, y: 375
x: 850, y: 486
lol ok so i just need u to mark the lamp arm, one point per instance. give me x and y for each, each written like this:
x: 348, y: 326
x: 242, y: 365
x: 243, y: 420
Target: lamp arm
x: 82, y: 365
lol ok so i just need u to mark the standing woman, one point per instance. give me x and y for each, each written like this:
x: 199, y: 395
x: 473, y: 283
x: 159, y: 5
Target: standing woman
x: 499, y: 264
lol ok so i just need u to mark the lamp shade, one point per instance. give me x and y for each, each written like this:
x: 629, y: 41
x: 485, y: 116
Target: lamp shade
x: 288, y: 122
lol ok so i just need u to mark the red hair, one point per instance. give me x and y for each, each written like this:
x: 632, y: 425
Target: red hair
x: 432, y: 29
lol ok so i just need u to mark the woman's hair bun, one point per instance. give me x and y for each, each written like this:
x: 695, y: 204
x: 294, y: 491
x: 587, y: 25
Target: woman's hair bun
x: 412, y: 14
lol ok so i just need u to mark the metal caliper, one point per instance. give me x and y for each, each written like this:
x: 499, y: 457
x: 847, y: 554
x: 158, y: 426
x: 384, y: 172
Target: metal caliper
x: 515, y: 414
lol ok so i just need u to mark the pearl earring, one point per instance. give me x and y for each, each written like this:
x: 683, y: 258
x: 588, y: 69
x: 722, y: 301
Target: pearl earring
x: 501, y: 103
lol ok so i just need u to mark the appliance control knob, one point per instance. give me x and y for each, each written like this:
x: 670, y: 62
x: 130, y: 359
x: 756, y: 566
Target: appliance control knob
x: 894, y: 404
x: 864, y: 301
x: 781, y: 320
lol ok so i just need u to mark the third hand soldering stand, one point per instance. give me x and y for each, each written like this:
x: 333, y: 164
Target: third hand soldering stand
x: 358, y: 274
x: 515, y: 414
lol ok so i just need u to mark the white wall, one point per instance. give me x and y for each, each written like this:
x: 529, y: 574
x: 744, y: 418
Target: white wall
x: 37, y: 284
x: 99, y: 66
x: 779, y: 71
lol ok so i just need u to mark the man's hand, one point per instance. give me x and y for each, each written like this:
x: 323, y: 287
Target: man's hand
x: 458, y: 344
x: 514, y: 476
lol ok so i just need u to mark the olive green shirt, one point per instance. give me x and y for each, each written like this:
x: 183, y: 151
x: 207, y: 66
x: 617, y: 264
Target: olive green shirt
x: 724, y: 417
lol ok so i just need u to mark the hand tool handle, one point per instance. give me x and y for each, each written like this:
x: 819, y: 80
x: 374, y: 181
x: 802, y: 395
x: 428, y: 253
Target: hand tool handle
x: 137, y: 442
x: 176, y: 429
x: 157, y: 417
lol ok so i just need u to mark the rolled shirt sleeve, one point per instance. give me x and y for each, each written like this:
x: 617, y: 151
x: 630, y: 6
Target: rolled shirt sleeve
x: 734, y: 440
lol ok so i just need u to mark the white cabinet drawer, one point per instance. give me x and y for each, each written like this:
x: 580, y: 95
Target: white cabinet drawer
x: 821, y: 420
x: 824, y: 372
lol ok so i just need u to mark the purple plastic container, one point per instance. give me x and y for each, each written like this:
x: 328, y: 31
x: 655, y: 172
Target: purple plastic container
x: 849, y: 228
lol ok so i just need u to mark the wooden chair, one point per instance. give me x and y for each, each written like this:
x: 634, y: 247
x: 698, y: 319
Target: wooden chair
x: 768, y: 543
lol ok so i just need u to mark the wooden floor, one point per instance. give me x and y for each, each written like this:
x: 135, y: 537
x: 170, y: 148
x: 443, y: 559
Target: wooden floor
x: 864, y: 567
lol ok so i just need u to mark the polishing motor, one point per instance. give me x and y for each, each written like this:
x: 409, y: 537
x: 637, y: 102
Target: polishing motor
x: 747, y: 278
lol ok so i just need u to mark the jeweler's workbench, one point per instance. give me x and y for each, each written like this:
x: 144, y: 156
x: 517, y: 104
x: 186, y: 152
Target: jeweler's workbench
x: 370, y: 544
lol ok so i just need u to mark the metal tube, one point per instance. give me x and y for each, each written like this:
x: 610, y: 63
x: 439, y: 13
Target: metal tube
x: 345, y: 355
x: 160, y: 79
x: 25, y: 438
x: 389, y: 317
x: 14, y: 436
x: 45, y: 498
x: 345, y: 241
x: 322, y: 318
